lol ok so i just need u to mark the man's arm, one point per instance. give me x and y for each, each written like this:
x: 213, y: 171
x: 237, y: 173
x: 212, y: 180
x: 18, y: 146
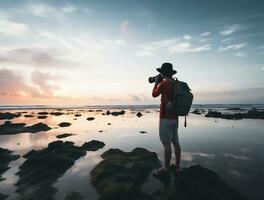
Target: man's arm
x: 157, y: 89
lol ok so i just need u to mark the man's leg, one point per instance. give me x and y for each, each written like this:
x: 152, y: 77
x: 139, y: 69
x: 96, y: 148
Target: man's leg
x: 167, y: 155
x: 177, y: 152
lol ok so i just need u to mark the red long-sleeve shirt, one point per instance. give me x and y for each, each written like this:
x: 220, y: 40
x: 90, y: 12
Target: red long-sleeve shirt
x: 166, y: 89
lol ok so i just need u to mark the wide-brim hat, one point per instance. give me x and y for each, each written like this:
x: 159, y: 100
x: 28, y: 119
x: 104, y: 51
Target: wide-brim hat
x: 166, y: 69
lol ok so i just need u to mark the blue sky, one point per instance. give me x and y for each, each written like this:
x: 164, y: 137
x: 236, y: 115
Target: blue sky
x: 102, y: 52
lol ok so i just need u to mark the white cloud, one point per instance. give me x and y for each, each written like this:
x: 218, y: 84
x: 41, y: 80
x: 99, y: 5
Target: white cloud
x: 205, y: 34
x: 262, y: 68
x: 240, y: 54
x: 187, y: 37
x: 45, y: 10
x: 9, y: 27
x: 233, y: 46
x: 231, y: 29
x: 186, y: 47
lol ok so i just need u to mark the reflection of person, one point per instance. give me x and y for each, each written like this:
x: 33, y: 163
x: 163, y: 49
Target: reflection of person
x: 168, y: 124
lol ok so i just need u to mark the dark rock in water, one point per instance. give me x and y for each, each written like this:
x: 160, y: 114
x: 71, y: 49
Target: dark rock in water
x: 98, y: 110
x: 100, y: 131
x: 93, y: 145
x: 64, y: 124
x: 73, y: 196
x: 90, y: 118
x: 139, y: 114
x: 116, y: 113
x: 43, y: 167
x: 43, y: 113
x: 121, y: 174
x: 5, y: 157
x: 64, y: 135
x: 108, y: 112
x: 251, y: 114
x: 235, y: 108
x: 74, y: 118
x: 8, y: 115
x: 42, y: 117
x: 197, y: 112
x: 108, y: 124
x: 9, y: 128
x: 196, y: 182
x: 57, y: 113
x: 143, y: 131
x: 77, y: 115
x: 3, y: 196
x: 28, y: 115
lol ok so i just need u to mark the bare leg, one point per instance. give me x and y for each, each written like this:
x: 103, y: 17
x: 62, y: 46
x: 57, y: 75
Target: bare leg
x: 177, y: 152
x: 167, y: 155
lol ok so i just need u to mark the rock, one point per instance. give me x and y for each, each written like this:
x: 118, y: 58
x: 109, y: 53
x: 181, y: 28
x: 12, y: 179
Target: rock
x: 9, y: 128
x: 8, y: 115
x: 56, y: 113
x: 64, y: 135
x: 42, y: 117
x: 28, y: 115
x: 3, y: 196
x: 108, y: 124
x: 143, y: 132
x: 64, y: 124
x: 251, y: 114
x: 77, y: 115
x: 74, y: 118
x: 5, y: 157
x: 108, y: 112
x: 121, y: 174
x: 90, y: 118
x: 139, y: 114
x: 116, y: 113
x: 73, y: 196
x: 197, y: 112
x: 98, y: 110
x: 100, y: 131
x: 43, y: 167
x: 43, y: 113
x: 93, y: 145
x: 196, y: 182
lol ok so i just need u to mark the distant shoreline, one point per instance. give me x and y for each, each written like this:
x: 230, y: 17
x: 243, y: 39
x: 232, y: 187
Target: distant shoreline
x: 150, y: 106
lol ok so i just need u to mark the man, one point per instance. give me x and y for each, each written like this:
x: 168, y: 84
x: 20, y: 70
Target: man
x: 168, y: 124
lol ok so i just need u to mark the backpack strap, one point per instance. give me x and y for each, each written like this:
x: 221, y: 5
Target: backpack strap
x: 185, y: 121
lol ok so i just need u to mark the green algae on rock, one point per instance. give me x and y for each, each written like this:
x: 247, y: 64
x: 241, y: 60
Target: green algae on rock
x: 9, y: 128
x: 43, y: 167
x: 120, y: 174
x: 5, y: 157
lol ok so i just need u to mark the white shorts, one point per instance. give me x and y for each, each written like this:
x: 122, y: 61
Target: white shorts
x: 168, y: 130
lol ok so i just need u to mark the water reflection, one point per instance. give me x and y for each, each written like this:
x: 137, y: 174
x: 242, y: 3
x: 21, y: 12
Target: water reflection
x: 233, y: 148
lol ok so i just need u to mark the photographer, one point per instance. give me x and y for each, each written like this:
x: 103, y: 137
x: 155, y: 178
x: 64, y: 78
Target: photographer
x: 168, y: 124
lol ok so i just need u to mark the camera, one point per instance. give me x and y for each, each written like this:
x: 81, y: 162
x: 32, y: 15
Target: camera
x: 152, y: 79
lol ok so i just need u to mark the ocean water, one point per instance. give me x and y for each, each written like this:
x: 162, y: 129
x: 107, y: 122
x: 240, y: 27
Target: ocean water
x: 233, y: 148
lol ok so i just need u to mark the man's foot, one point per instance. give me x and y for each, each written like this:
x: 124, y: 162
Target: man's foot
x: 175, y: 169
x: 160, y: 172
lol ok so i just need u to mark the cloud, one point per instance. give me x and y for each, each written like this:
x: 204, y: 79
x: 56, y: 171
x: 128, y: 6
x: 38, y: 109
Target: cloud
x: 10, y: 27
x: 262, y: 68
x: 45, y: 10
x: 12, y: 84
x: 233, y: 46
x: 240, y: 54
x: 205, y: 34
x: 187, y: 37
x: 231, y: 29
x: 124, y: 27
x: 186, y: 47
x: 33, y: 57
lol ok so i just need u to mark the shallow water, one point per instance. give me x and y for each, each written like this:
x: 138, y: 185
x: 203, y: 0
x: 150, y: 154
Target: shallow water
x: 233, y: 148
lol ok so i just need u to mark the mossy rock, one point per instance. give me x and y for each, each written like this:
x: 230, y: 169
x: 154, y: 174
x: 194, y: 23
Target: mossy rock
x: 120, y: 174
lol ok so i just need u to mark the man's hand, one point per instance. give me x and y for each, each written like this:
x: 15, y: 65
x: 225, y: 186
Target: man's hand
x: 158, y: 78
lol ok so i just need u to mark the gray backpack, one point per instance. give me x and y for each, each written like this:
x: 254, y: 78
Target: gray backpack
x: 182, y: 100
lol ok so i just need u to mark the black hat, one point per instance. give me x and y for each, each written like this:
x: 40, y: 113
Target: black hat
x: 166, y: 69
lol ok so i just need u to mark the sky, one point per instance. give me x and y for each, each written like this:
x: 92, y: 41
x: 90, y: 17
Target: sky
x: 102, y: 52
